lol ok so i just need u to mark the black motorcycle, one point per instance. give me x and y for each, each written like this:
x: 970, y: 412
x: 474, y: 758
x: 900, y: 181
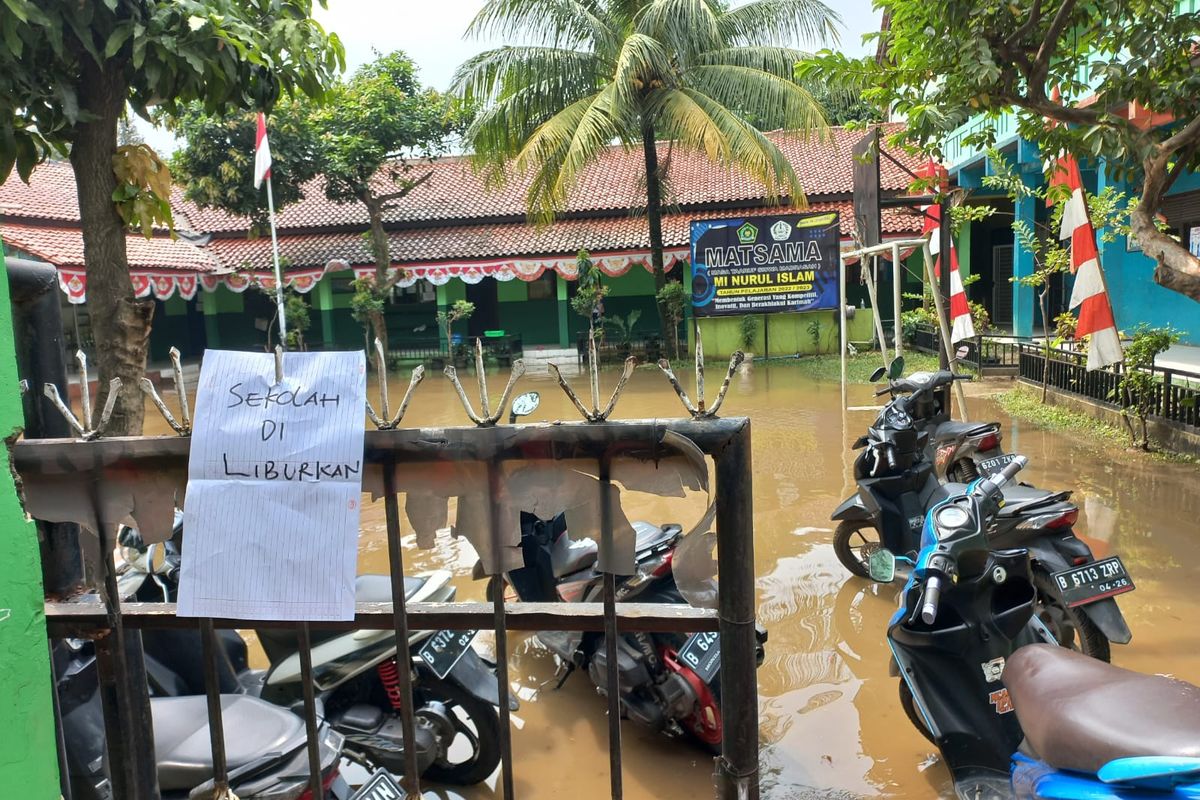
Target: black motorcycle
x: 969, y: 652
x: 669, y: 682
x: 897, y: 484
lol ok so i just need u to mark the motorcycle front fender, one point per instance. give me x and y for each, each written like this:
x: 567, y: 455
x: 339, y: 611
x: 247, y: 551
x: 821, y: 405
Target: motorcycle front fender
x: 474, y: 675
x: 1105, y: 614
x: 853, y: 508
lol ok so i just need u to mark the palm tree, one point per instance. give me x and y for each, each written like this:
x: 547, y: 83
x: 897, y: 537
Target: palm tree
x: 597, y: 72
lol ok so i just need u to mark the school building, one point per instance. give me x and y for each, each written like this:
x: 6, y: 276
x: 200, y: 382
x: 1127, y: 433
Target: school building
x: 455, y: 236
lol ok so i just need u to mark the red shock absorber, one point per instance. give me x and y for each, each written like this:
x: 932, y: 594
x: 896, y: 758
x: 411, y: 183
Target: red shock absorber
x: 389, y: 676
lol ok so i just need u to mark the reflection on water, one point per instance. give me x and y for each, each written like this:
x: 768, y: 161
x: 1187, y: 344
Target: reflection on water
x: 830, y: 714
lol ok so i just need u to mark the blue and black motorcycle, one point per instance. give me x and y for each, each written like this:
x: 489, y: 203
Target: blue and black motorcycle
x: 1013, y: 714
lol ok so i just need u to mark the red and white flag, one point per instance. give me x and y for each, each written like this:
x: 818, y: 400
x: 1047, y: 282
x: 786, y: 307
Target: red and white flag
x: 262, y: 153
x: 1090, y: 293
x: 961, y: 324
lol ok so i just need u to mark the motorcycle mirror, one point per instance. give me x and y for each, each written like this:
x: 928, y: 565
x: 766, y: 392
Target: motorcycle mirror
x: 877, y: 375
x: 962, y: 352
x: 525, y: 404
x: 896, y: 368
x: 881, y: 566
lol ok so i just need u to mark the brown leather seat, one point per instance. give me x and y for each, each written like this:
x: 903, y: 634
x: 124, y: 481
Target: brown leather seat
x: 1079, y: 713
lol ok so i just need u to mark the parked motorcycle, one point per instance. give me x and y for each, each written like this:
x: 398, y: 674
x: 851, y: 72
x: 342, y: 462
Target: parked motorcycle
x: 970, y: 652
x: 265, y: 745
x: 959, y: 450
x: 355, y: 673
x: 669, y: 682
x: 897, y: 485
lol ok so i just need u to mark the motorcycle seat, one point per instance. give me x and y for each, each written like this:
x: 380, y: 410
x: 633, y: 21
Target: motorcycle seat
x: 253, y: 729
x: 378, y: 588
x: 1080, y: 714
x: 954, y: 430
x: 1019, y: 499
x: 650, y: 535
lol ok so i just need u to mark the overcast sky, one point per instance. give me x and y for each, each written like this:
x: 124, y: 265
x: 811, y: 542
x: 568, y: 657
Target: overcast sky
x: 431, y: 32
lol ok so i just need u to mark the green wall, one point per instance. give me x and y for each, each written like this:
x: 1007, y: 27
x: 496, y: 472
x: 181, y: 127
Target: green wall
x: 784, y: 334
x: 28, y: 754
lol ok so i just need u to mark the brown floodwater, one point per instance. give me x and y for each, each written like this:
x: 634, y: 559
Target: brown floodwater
x: 831, y: 723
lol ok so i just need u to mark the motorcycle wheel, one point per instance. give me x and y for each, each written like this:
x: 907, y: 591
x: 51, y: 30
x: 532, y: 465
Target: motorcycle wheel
x: 478, y: 723
x: 1070, y: 626
x: 853, y: 542
x: 909, y: 704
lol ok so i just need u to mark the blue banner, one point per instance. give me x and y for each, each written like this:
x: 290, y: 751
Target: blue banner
x: 764, y: 265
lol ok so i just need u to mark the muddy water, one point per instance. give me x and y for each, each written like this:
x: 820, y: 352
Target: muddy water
x: 830, y: 716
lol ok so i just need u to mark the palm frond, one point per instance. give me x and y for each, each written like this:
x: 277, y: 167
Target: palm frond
x: 780, y: 61
x: 679, y: 118
x: 773, y: 21
x: 642, y: 61
x: 686, y: 26
x: 556, y: 23
x: 757, y: 94
x: 562, y: 146
x: 494, y: 74
x: 753, y: 152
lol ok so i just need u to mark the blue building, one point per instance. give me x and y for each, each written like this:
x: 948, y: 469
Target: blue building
x: 989, y: 248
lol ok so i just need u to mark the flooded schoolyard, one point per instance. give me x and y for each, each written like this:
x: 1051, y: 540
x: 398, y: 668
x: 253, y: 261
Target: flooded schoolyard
x: 831, y: 723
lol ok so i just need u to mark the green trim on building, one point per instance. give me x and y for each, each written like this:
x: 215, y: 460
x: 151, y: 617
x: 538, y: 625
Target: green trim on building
x: 28, y: 753
x: 783, y: 334
x: 564, y: 309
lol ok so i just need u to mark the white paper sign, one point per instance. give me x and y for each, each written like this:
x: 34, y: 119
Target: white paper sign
x: 271, y: 517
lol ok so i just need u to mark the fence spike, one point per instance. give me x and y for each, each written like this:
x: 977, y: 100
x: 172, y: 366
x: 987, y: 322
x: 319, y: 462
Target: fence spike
x: 735, y: 361
x: 381, y: 371
x: 180, y: 389
x: 114, y: 388
x: 593, y: 368
x: 418, y: 375
x: 375, y: 420
x: 452, y: 373
x: 51, y: 392
x: 630, y: 364
x: 665, y: 366
x: 566, y: 387
x: 278, y: 365
x: 85, y: 389
x: 699, y: 370
x: 151, y: 392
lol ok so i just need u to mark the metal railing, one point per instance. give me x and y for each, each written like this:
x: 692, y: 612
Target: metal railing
x: 1174, y: 395
x: 987, y: 354
x: 97, y: 469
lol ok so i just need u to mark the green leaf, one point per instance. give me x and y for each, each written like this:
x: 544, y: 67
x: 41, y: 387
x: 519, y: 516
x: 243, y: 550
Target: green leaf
x: 19, y: 9
x: 117, y: 38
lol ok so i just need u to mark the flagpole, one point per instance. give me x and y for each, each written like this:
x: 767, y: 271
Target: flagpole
x: 278, y: 270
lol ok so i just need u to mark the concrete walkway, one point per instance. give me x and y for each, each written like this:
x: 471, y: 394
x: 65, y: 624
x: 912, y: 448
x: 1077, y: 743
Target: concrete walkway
x: 1183, y: 357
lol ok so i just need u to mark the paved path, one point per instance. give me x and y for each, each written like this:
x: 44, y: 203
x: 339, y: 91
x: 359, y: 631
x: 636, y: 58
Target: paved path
x: 1180, y: 356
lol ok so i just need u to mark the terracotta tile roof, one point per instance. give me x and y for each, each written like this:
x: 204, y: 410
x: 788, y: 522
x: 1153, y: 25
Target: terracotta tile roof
x: 482, y: 241
x: 62, y: 246
x: 455, y: 191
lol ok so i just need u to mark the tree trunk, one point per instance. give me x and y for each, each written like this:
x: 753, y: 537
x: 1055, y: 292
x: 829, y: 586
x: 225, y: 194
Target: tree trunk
x: 120, y: 322
x: 381, y: 249
x: 654, y: 215
x: 1177, y: 270
x: 1046, y: 349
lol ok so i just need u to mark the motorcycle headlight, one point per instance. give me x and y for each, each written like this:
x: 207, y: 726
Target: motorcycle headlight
x: 951, y: 517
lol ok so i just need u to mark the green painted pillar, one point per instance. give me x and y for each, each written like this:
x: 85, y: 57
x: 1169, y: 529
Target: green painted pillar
x: 443, y: 306
x: 28, y: 753
x: 209, y: 307
x: 564, y: 307
x: 324, y: 303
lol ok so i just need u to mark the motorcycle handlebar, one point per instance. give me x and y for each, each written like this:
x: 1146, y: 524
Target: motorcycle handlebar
x: 933, y: 592
x: 891, y: 458
x: 881, y: 392
x: 1010, y: 471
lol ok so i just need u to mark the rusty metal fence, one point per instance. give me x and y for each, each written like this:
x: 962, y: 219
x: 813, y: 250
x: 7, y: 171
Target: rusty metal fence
x: 97, y: 464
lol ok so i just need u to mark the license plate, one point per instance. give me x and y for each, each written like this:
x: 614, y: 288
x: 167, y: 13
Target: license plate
x: 443, y: 650
x: 701, y: 653
x: 1094, y: 581
x: 991, y: 466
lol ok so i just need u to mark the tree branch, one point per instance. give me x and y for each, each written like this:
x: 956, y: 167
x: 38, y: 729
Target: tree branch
x: 1041, y: 62
x: 387, y: 198
x: 1035, y: 16
x: 1186, y: 136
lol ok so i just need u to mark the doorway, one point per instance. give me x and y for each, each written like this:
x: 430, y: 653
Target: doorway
x: 487, y: 307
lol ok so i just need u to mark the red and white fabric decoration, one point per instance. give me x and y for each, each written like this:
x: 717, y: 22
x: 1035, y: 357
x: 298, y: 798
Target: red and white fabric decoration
x: 961, y: 324
x: 262, y: 152
x: 1090, y: 293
